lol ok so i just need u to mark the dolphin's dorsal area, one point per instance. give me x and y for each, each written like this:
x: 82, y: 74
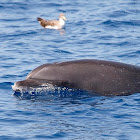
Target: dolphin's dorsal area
x: 103, y: 77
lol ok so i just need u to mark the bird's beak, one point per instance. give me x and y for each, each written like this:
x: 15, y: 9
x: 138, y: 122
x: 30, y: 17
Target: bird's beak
x: 64, y: 18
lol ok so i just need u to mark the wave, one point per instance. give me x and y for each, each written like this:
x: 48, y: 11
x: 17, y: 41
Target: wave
x: 6, y: 85
x: 115, y: 23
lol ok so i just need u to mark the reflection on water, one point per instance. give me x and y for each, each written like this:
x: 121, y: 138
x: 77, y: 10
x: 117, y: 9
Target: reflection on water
x: 62, y: 31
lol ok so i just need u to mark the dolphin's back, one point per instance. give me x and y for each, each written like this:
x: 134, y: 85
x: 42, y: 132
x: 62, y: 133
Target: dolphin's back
x: 100, y: 76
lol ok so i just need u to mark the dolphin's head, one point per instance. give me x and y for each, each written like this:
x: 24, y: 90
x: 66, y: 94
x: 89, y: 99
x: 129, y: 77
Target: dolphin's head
x: 18, y: 86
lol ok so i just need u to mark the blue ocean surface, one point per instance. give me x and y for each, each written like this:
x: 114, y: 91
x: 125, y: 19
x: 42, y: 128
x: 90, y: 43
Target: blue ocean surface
x: 95, y: 29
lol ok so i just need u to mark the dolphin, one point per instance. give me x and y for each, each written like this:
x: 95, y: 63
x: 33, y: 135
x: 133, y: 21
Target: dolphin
x: 102, y: 77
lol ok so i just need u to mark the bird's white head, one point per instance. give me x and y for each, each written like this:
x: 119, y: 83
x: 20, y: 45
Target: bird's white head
x: 62, y: 16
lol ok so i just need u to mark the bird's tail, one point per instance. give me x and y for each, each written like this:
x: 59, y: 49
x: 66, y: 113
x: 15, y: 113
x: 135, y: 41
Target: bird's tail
x: 39, y: 19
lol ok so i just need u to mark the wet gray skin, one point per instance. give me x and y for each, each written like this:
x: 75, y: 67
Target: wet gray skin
x: 101, y: 77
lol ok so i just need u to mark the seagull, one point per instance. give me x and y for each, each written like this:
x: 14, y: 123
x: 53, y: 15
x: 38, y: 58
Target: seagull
x: 53, y: 24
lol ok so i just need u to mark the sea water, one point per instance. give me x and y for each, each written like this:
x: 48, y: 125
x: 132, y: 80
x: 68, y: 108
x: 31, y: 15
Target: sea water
x: 96, y: 29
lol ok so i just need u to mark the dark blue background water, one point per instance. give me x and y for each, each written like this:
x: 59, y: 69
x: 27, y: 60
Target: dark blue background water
x: 96, y: 29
